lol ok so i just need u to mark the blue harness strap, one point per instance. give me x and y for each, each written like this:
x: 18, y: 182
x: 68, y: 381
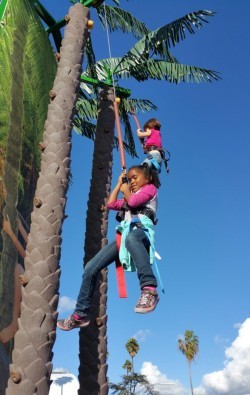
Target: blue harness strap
x: 156, y: 165
x: 159, y: 276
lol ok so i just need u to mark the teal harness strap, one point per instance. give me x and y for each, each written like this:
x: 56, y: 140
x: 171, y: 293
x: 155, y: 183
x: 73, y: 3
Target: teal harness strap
x: 137, y: 222
x: 156, y: 165
x: 159, y: 276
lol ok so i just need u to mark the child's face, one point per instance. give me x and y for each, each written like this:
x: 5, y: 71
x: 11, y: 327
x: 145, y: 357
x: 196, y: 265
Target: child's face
x: 136, y: 179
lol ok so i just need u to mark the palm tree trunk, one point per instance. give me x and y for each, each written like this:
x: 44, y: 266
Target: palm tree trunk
x: 32, y: 355
x: 190, y: 377
x: 93, y: 339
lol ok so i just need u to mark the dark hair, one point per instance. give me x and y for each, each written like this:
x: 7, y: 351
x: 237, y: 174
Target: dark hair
x: 152, y: 123
x: 149, y: 172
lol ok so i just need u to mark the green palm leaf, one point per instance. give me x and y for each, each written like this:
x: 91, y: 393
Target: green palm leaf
x: 26, y: 75
x: 86, y: 107
x: 85, y: 128
x: 137, y: 105
x: 132, y: 65
x: 120, y: 19
x: 159, y: 41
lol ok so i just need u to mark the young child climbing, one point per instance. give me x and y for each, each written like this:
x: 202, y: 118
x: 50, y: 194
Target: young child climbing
x: 152, y: 143
x: 137, y: 244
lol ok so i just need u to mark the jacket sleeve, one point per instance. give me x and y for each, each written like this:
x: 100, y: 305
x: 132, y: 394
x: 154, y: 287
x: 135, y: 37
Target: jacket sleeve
x: 116, y: 205
x: 143, y: 196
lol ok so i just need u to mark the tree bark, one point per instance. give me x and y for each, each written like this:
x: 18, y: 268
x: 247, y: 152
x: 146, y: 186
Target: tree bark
x: 32, y: 355
x: 93, y: 339
x: 190, y: 377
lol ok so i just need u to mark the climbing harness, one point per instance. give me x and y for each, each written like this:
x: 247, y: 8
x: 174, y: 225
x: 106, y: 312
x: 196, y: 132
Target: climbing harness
x: 135, y: 211
x: 136, y: 223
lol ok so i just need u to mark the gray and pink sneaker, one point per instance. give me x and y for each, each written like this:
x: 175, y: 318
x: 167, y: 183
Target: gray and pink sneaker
x: 147, y: 301
x: 72, y: 322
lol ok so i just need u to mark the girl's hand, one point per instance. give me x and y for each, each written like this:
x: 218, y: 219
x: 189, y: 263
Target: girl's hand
x: 124, y: 188
x: 122, y: 178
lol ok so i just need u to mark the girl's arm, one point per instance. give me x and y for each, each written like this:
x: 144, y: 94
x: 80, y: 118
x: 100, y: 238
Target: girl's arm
x: 114, y: 193
x: 141, y: 133
x: 113, y: 202
x: 143, y: 196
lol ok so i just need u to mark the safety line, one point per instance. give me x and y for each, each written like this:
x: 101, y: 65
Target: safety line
x: 117, y: 118
x: 109, y: 46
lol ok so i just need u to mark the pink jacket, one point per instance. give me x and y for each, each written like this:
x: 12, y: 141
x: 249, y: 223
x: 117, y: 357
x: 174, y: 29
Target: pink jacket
x: 154, y: 138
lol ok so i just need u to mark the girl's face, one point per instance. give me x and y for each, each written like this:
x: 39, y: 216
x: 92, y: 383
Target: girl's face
x: 136, y: 179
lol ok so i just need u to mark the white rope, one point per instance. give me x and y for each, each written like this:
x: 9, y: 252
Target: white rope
x: 109, y: 47
x: 117, y: 119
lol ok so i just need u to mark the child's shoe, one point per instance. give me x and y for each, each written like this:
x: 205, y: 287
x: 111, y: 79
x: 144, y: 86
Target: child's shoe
x: 147, y: 302
x: 72, y: 322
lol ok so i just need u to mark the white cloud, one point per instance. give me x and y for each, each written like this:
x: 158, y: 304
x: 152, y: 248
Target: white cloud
x: 234, y: 379
x: 141, y: 335
x: 219, y: 339
x: 160, y: 382
x: 66, y: 304
x: 60, y: 370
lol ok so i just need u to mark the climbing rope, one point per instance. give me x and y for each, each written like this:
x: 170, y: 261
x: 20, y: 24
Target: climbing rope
x: 117, y: 118
x: 137, y: 125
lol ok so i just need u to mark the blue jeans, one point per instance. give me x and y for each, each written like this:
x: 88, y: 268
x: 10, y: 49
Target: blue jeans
x: 136, y: 243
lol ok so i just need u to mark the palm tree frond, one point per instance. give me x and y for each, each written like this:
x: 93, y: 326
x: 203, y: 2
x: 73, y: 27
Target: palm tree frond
x: 86, y: 107
x: 91, y: 61
x: 159, y: 69
x: 136, y: 105
x: 85, y: 128
x: 159, y: 41
x: 118, y: 19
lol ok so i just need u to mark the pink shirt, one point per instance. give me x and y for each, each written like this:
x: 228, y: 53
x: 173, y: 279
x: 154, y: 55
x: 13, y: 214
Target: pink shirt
x: 146, y: 196
x: 154, y: 138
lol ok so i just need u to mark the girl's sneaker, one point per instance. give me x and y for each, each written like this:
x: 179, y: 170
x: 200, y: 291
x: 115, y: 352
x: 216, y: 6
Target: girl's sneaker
x: 147, y: 302
x: 72, y: 323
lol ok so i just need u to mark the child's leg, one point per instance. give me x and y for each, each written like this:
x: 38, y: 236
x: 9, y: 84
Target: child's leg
x: 80, y: 319
x: 101, y: 260
x: 137, y: 244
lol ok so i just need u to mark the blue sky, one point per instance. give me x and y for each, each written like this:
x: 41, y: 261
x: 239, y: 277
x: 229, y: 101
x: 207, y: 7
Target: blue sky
x: 204, y: 221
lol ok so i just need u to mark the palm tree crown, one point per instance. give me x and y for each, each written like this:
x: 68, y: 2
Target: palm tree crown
x: 189, y: 346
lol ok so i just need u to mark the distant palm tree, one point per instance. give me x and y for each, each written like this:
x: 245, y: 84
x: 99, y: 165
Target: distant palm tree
x: 132, y: 346
x: 189, y: 347
x: 127, y: 366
